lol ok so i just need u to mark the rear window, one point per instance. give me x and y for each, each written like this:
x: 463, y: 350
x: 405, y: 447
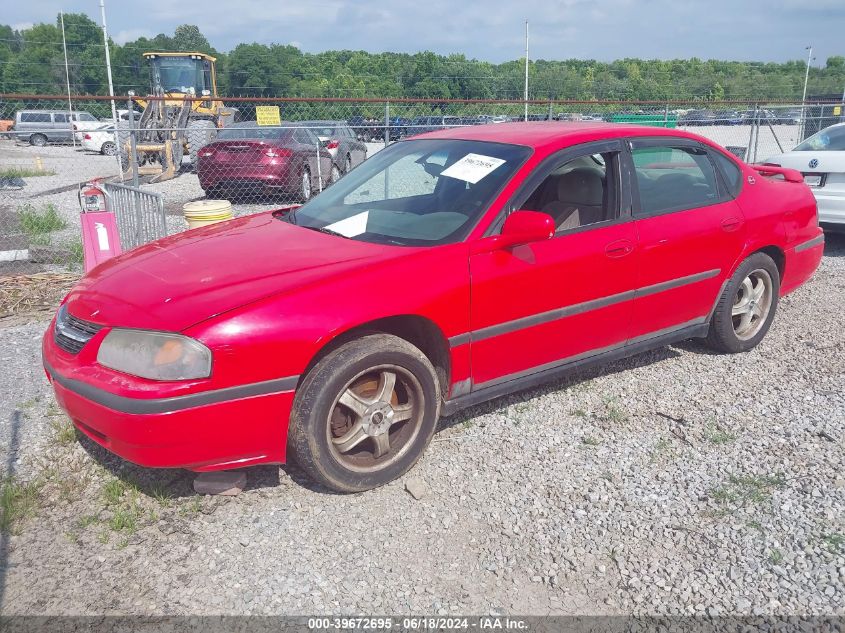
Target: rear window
x: 732, y: 173
x: 254, y: 132
x: 831, y: 139
x: 35, y: 117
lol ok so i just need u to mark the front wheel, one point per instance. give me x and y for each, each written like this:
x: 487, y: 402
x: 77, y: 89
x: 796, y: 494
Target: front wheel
x: 746, y: 307
x: 364, y: 414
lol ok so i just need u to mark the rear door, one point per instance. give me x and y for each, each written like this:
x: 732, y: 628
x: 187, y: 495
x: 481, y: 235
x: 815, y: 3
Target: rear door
x: 541, y: 305
x: 689, y: 230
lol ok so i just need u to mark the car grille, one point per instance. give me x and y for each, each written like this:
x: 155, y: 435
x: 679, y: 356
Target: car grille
x: 71, y: 334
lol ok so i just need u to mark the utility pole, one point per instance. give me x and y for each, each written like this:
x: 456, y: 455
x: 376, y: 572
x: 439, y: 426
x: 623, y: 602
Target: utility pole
x: 526, y: 71
x: 804, y: 96
x: 67, y: 82
x: 111, y: 87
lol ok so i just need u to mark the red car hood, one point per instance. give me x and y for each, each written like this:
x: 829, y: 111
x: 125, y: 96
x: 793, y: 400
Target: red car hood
x: 181, y: 280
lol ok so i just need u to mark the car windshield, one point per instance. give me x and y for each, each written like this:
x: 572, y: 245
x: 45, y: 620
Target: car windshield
x: 415, y: 193
x: 252, y: 131
x: 830, y: 139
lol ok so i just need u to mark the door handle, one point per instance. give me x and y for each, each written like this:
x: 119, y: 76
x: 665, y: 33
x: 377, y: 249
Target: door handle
x: 731, y: 224
x: 619, y: 248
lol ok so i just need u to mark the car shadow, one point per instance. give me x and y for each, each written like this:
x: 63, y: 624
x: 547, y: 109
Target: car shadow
x: 834, y: 244
x: 178, y: 483
x: 574, y: 379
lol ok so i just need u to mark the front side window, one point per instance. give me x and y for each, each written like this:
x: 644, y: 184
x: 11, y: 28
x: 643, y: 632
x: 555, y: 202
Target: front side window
x: 830, y: 139
x: 579, y: 192
x: 415, y: 193
x: 673, y: 178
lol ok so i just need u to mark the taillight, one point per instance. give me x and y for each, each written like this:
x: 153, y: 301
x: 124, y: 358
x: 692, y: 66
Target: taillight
x: 87, y: 137
x: 332, y: 144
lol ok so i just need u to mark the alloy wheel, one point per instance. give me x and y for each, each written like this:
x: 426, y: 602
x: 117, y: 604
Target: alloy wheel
x: 752, y: 303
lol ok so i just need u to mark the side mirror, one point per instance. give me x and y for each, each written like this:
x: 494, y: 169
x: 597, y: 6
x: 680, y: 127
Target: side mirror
x: 520, y: 227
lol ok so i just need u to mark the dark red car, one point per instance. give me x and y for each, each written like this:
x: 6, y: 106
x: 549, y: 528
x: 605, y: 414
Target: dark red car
x: 257, y: 160
x: 444, y: 271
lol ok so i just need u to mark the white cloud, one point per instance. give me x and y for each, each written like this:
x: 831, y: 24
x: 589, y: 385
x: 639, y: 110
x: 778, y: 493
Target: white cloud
x: 121, y: 37
x: 22, y: 26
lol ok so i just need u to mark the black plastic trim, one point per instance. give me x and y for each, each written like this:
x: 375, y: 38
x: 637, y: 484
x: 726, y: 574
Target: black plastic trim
x: 545, y: 373
x: 145, y: 406
x: 586, y: 306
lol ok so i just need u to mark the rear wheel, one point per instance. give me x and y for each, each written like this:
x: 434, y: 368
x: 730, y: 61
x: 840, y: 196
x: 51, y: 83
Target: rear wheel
x: 747, y: 306
x: 348, y: 164
x: 335, y: 175
x: 365, y: 413
x: 108, y: 148
x: 39, y: 140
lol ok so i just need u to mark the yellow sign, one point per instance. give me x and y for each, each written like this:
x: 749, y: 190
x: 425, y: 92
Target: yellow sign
x: 837, y: 110
x: 268, y: 115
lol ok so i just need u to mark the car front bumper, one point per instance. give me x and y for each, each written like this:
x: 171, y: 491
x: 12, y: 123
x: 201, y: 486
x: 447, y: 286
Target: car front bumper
x: 165, y: 433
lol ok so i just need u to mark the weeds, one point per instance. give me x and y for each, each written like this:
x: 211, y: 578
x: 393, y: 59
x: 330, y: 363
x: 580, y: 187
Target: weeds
x: 717, y: 436
x: 25, y: 172
x: 834, y: 542
x: 64, y: 433
x: 36, y: 222
x: 588, y: 440
x: 18, y: 501
x: 748, y: 488
x: 775, y: 556
x: 613, y: 413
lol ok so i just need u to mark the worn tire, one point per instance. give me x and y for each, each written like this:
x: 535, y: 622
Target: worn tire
x: 310, y: 427
x: 722, y: 335
x: 38, y: 140
x: 199, y: 134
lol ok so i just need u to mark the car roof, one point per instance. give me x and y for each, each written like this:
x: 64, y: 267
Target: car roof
x: 544, y: 134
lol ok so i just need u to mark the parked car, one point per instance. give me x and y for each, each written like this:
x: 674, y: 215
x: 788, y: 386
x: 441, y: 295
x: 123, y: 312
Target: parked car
x: 366, y: 129
x: 423, y: 124
x: 697, y: 118
x: 761, y: 116
x: 40, y: 127
x: 337, y: 137
x: 789, y: 117
x: 264, y: 160
x: 101, y: 141
x: 445, y: 271
x: 821, y: 159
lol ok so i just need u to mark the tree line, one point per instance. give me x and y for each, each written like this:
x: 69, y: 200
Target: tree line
x: 32, y: 62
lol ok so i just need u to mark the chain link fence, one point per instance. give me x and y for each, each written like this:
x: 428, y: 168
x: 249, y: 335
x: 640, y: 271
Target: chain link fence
x: 50, y: 147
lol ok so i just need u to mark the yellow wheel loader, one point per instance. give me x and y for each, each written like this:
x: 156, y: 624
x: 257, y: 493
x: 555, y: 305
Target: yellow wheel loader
x: 184, y: 116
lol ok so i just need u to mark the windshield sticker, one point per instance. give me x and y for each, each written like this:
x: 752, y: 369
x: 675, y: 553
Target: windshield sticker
x: 472, y: 167
x: 351, y: 226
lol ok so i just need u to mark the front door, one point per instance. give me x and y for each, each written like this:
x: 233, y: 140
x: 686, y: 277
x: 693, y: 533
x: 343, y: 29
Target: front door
x: 541, y: 305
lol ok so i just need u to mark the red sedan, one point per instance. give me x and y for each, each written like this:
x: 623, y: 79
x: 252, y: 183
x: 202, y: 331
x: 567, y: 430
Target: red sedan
x: 256, y: 160
x: 444, y: 271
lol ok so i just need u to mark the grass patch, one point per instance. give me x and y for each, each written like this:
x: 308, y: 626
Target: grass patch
x: 748, y: 488
x: 613, y: 413
x: 589, y: 440
x: 75, y: 253
x: 25, y: 172
x: 580, y: 413
x: 18, y: 501
x: 64, y: 433
x: 718, y: 436
x: 662, y: 448
x: 122, y: 499
x: 775, y: 556
x: 38, y: 222
x: 835, y: 542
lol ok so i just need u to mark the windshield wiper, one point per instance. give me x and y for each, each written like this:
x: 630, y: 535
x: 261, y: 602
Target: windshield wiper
x: 323, y: 229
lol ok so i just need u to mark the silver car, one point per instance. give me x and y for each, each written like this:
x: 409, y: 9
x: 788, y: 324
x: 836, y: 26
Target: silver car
x: 40, y: 127
x: 821, y: 158
x: 343, y: 144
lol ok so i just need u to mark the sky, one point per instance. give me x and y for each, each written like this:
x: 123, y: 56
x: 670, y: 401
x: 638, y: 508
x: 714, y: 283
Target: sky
x: 491, y: 30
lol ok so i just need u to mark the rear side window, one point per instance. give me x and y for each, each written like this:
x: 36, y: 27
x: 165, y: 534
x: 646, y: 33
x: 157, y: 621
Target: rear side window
x: 35, y: 117
x: 673, y: 179
x: 84, y: 116
x: 732, y: 172
x: 59, y: 118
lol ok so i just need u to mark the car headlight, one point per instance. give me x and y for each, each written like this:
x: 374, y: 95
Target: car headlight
x: 155, y: 355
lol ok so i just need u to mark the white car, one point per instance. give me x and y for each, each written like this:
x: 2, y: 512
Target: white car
x: 101, y: 141
x: 821, y: 158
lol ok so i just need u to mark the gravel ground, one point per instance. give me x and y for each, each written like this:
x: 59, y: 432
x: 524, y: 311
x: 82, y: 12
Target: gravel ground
x: 675, y: 482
